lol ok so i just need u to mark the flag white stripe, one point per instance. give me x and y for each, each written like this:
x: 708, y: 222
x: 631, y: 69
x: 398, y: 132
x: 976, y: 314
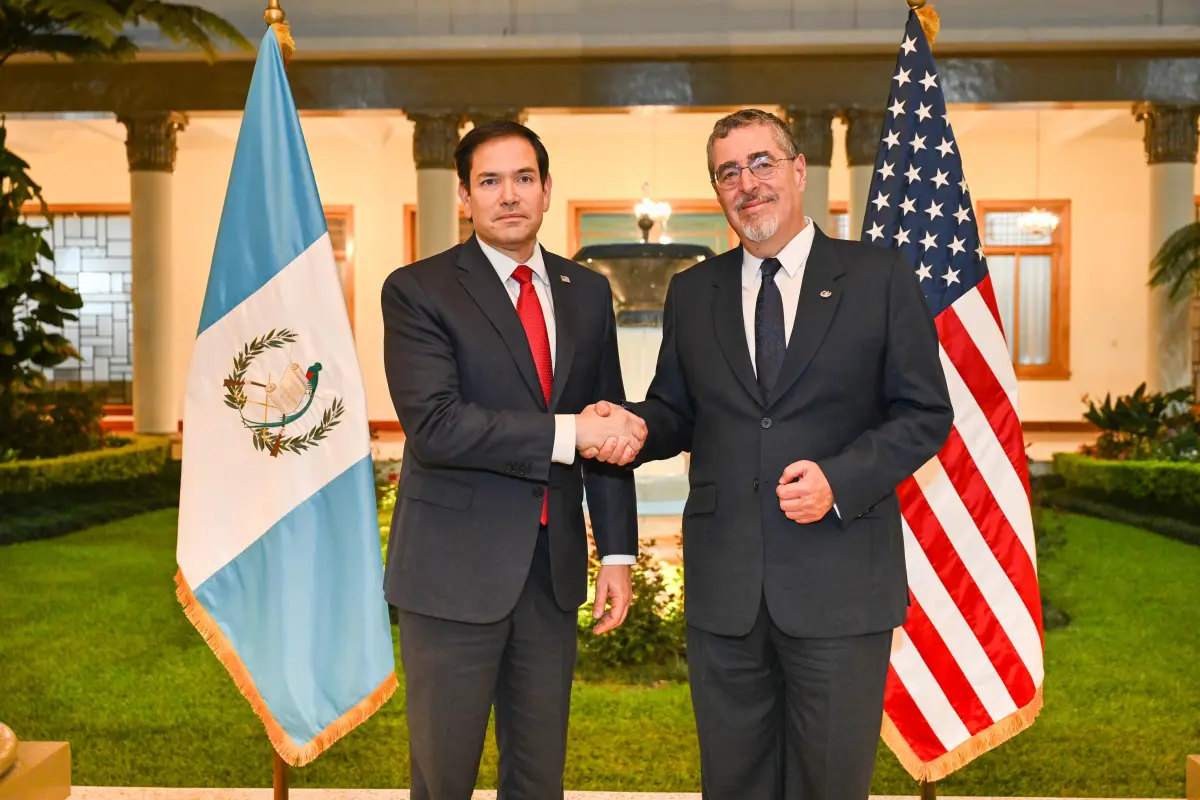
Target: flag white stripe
x: 950, y: 624
x: 256, y: 489
x: 997, y: 590
x: 926, y: 693
x: 981, y: 326
x: 990, y: 457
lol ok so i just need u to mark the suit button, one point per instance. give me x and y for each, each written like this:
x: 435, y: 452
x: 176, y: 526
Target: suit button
x: 766, y: 422
x: 756, y: 484
x: 538, y: 492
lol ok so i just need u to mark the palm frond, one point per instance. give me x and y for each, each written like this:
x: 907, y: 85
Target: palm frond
x: 185, y: 24
x: 1177, y: 262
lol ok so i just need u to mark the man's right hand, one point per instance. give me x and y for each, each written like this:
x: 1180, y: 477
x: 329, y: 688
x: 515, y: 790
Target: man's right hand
x: 609, y: 433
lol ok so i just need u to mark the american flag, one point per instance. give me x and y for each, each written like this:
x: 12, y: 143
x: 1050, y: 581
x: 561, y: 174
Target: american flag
x: 966, y: 667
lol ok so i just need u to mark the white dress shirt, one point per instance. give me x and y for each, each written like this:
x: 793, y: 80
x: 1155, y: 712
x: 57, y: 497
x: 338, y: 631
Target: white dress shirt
x: 792, y: 259
x: 563, y: 450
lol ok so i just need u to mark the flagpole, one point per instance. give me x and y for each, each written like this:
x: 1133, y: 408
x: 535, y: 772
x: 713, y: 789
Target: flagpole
x: 277, y: 20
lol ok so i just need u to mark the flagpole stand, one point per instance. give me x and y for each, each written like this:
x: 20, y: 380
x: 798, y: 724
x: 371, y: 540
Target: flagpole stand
x: 928, y: 788
x: 281, y: 778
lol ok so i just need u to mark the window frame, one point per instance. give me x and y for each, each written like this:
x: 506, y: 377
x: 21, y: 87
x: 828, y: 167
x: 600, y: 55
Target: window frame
x: 1059, y: 366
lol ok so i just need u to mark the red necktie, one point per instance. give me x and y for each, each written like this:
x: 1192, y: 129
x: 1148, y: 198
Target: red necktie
x: 529, y: 309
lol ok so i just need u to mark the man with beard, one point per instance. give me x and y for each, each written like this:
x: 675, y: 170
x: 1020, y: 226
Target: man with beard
x: 803, y: 375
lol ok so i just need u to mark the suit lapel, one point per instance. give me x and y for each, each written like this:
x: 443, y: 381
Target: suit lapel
x: 729, y: 321
x: 564, y: 327
x: 819, y: 299
x: 479, y: 278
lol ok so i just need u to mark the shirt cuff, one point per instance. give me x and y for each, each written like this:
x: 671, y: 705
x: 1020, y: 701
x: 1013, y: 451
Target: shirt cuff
x: 564, y: 439
x: 618, y: 559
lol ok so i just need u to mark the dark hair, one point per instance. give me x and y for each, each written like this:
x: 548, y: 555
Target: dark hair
x: 752, y: 116
x: 497, y: 129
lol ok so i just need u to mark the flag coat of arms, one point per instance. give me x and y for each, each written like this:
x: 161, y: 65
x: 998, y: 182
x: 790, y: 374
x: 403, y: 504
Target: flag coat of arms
x: 279, y: 563
x: 966, y: 668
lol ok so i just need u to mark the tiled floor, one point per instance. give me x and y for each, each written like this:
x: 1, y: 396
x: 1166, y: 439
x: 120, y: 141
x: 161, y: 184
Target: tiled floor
x: 112, y: 793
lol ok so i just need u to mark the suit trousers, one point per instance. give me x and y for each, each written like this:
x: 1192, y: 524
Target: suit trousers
x: 455, y: 673
x: 782, y: 718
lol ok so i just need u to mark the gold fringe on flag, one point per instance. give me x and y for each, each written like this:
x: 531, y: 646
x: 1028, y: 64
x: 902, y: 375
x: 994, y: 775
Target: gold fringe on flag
x: 929, y: 19
x: 287, y: 748
x: 976, y: 746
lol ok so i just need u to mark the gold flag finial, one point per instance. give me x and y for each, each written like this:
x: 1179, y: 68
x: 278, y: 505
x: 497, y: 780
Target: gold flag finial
x: 929, y: 19
x: 275, y: 17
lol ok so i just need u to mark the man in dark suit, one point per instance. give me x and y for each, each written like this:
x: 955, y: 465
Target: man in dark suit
x: 803, y: 375
x: 493, y: 349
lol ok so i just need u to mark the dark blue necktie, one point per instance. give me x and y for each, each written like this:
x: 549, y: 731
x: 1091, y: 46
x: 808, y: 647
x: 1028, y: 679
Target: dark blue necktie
x: 770, y: 343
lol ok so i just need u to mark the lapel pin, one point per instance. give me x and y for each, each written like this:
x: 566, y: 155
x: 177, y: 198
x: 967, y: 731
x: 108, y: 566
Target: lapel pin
x: 564, y: 279
x: 826, y: 293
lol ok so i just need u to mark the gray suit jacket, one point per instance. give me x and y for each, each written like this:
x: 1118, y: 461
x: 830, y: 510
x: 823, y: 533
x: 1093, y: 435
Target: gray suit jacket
x: 861, y: 393
x: 479, y: 435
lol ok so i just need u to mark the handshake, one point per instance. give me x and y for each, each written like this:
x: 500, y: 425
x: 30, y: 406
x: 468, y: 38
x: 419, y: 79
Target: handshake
x: 609, y: 433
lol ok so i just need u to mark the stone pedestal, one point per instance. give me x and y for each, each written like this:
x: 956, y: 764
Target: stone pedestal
x: 1170, y: 143
x: 150, y: 147
x: 813, y: 131
x: 863, y: 132
x: 434, y: 140
x: 42, y: 772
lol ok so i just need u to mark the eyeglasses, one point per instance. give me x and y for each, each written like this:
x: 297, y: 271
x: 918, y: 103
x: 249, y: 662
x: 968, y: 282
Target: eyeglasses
x: 762, y: 168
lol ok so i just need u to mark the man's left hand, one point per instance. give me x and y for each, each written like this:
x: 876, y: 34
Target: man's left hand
x: 804, y: 493
x: 613, y: 583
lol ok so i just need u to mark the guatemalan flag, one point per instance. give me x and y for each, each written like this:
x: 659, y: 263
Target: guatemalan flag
x: 279, y: 560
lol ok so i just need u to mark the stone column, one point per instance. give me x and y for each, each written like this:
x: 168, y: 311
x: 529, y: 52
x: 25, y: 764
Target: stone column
x: 863, y: 132
x: 434, y: 140
x: 150, y: 149
x: 482, y: 115
x: 813, y: 131
x: 1170, y: 142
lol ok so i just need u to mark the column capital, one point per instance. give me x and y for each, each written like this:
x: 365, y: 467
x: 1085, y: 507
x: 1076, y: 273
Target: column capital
x: 1170, y: 131
x: 150, y: 139
x: 481, y: 115
x: 812, y: 128
x: 863, y: 130
x: 435, y: 137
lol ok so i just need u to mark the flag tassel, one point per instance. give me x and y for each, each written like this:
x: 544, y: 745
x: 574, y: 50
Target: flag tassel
x: 930, y: 23
x: 284, y: 746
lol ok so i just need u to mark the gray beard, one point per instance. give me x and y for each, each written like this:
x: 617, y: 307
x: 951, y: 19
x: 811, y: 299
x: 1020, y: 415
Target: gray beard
x: 761, y: 230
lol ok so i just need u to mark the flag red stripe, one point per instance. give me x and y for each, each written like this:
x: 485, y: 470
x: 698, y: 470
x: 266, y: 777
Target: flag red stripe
x: 1001, y: 539
x: 985, y: 388
x: 988, y: 293
x: 945, y: 669
x: 909, y: 721
x: 964, y: 591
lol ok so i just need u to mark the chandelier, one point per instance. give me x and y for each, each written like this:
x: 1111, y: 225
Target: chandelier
x: 650, y: 212
x: 1038, y: 222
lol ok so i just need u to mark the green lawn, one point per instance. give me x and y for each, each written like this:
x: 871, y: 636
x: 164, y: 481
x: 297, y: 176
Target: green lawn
x: 94, y: 649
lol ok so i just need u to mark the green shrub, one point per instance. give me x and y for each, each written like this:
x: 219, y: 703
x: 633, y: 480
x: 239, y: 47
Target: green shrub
x: 146, y: 455
x: 1162, y: 488
x: 54, y: 496
x: 1160, y: 426
x: 54, y: 422
x: 651, y: 643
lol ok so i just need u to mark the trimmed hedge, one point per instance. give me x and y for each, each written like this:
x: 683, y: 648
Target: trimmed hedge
x: 145, y: 456
x: 1168, y: 489
x: 50, y: 497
